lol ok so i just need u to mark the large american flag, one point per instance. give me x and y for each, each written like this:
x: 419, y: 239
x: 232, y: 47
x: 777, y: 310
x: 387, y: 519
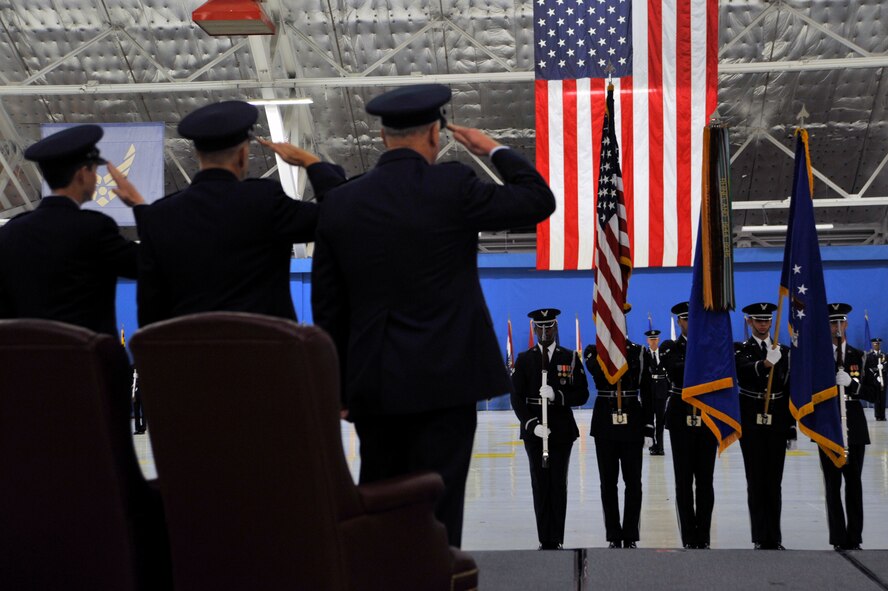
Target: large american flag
x: 613, y: 256
x: 663, y: 56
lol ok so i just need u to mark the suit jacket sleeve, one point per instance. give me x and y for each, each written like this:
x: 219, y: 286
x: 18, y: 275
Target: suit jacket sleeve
x: 118, y: 254
x: 151, y: 303
x: 524, y: 199
x: 324, y: 176
x: 331, y: 312
x: 294, y: 220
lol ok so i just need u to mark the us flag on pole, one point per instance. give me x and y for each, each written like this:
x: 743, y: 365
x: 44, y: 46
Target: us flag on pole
x: 663, y: 56
x: 613, y: 256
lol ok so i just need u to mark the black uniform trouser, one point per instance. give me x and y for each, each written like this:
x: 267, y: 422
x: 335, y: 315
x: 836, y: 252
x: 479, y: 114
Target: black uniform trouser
x: 440, y: 441
x: 659, y: 422
x: 839, y: 535
x: 549, y: 487
x: 880, y: 402
x: 764, y: 454
x: 693, y: 460
x: 612, y: 457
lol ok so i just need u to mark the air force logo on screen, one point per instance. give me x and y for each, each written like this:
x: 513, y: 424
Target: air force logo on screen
x: 134, y: 148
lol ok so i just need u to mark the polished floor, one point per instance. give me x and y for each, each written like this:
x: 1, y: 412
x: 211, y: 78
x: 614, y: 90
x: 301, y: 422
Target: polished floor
x: 499, y: 508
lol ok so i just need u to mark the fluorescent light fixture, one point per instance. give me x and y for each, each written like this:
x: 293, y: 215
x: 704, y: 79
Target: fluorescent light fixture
x: 780, y: 228
x: 289, y: 101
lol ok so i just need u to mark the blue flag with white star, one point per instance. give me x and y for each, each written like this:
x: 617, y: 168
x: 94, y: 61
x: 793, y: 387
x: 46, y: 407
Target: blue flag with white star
x: 812, y: 377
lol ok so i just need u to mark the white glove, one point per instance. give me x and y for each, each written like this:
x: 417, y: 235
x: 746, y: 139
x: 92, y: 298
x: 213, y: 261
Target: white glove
x: 539, y: 430
x: 842, y: 378
x: 649, y: 442
x: 774, y: 356
x: 547, y: 392
x: 792, y: 444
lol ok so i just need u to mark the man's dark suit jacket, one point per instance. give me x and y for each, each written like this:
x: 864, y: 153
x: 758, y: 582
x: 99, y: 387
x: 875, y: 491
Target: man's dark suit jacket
x: 220, y: 244
x: 60, y: 262
x: 395, y: 279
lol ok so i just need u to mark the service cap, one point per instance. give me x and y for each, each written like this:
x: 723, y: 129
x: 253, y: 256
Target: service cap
x: 680, y: 310
x: 219, y: 126
x: 838, y: 311
x: 760, y: 310
x: 544, y: 316
x: 69, y: 147
x: 411, y: 106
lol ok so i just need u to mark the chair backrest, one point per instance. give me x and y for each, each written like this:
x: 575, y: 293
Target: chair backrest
x: 243, y: 412
x: 70, y: 495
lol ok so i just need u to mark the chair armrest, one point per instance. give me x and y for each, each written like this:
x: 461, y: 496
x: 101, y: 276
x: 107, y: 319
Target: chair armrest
x: 393, y: 493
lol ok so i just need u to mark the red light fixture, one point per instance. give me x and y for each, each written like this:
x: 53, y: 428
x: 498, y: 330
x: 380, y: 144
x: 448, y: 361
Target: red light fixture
x: 233, y: 17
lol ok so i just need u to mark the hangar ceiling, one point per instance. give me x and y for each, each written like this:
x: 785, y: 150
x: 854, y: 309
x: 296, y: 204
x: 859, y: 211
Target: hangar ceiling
x: 75, y: 61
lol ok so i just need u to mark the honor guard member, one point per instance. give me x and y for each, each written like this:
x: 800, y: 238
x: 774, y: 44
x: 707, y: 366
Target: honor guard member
x: 658, y: 390
x: 395, y: 283
x: 852, y: 380
x: 767, y: 423
x: 693, y: 445
x: 875, y: 365
x: 60, y: 262
x: 565, y: 386
x: 224, y: 242
x: 621, y: 423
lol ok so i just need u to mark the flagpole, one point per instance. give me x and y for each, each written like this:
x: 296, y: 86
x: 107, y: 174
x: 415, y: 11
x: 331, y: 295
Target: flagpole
x: 774, y: 344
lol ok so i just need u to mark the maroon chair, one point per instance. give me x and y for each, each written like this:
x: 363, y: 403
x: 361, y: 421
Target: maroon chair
x: 244, y: 416
x: 75, y: 512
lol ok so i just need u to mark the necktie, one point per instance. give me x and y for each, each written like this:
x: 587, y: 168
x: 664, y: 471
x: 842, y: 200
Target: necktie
x: 657, y: 357
x: 764, y: 348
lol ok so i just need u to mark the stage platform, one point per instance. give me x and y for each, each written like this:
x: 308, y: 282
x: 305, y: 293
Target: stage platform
x: 716, y: 570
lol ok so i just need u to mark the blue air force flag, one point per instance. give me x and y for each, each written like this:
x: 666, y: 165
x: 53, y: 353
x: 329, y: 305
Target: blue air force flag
x: 710, y: 377
x: 134, y: 148
x: 812, y: 375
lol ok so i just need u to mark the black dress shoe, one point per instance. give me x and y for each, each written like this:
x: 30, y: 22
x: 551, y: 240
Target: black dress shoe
x: 757, y: 546
x: 613, y: 545
x: 779, y: 546
x: 838, y: 548
x: 689, y: 547
x: 703, y: 546
x: 631, y: 545
x: 854, y: 547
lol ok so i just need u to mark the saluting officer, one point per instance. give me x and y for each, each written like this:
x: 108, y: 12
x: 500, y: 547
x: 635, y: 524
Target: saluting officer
x: 225, y: 241
x: 565, y: 386
x: 658, y: 390
x: 767, y: 423
x: 693, y: 445
x: 60, y: 262
x: 875, y: 365
x: 851, y: 376
x: 620, y: 425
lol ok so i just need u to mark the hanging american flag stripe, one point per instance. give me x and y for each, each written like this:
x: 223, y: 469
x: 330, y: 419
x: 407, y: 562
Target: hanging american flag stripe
x: 665, y: 91
x: 613, y: 256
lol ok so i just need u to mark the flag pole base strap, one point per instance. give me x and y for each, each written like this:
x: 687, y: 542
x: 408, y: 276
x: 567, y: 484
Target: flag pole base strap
x: 764, y: 418
x: 694, y: 421
x: 619, y: 418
